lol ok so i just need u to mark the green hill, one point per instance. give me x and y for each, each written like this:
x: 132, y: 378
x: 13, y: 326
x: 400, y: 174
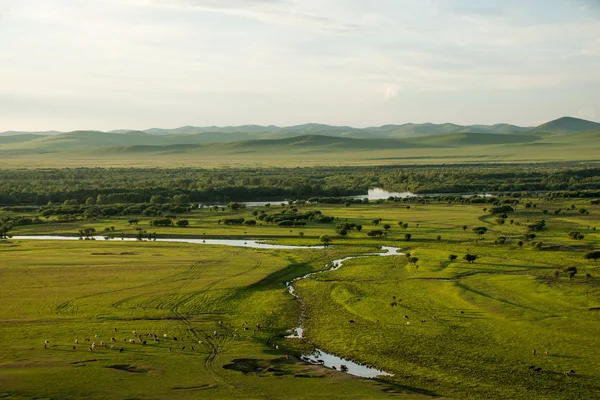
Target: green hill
x: 567, y: 125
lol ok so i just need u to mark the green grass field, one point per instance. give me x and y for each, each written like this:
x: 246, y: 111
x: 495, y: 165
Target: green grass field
x: 490, y: 315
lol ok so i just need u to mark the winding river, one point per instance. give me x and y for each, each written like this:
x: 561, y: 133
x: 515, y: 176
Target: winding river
x: 318, y: 357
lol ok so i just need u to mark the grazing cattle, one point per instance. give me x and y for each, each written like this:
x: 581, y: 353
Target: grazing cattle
x: 174, y: 338
x: 144, y: 342
x: 102, y: 343
x: 112, y: 346
x: 113, y: 339
x: 165, y: 335
x: 89, y: 348
x: 546, y: 352
x: 423, y: 321
x: 115, y: 329
x: 183, y: 348
x: 121, y: 350
x: 96, y: 336
x: 76, y: 341
x: 462, y: 312
x: 343, y: 368
x: 352, y: 321
x: 199, y: 341
x: 538, y: 370
x: 86, y: 339
x: 134, y: 332
x: 569, y: 373
x: 333, y: 367
x: 131, y: 341
x: 193, y: 348
x: 276, y: 347
x: 534, y: 352
x: 74, y: 348
x: 406, y: 317
x: 215, y: 333
x: 169, y: 349
x: 320, y: 362
x: 532, y: 367
x: 434, y: 318
x: 46, y: 342
x: 407, y: 322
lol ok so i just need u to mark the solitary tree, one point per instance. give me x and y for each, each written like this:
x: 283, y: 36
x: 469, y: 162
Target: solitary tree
x: 413, y: 260
x: 593, y: 255
x: 407, y: 236
x: 387, y: 227
x: 452, y: 257
x: 470, y: 258
x: 375, y: 222
x: 325, y: 240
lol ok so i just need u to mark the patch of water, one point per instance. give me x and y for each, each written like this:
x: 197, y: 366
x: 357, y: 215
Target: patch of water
x: 223, y: 242
x: 319, y: 356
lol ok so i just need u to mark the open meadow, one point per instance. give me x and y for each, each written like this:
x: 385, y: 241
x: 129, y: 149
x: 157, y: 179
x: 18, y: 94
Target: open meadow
x: 442, y: 327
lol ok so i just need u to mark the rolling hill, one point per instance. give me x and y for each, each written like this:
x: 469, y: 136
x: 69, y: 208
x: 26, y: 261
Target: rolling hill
x: 559, y: 140
x: 567, y: 125
x: 215, y: 134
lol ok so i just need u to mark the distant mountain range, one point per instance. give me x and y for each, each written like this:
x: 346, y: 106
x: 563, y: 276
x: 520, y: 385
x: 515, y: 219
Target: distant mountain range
x: 215, y: 134
x: 562, y: 139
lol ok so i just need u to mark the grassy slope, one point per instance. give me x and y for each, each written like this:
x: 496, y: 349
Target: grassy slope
x: 85, y: 149
x: 178, y: 289
x: 511, y: 301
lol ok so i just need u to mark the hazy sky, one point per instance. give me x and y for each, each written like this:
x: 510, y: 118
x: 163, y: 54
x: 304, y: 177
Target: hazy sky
x: 108, y: 64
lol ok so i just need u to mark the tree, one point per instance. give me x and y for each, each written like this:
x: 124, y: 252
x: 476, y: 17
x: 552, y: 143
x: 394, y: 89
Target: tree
x: 452, y: 257
x: 465, y: 227
x: 375, y: 222
x: 358, y: 228
x: 90, y: 201
x: 439, y: 238
x: 301, y: 234
x: 375, y: 233
x: 593, y: 255
x: 234, y: 206
x: 470, y: 258
x: 413, y: 260
x: 343, y: 233
x: 480, y: 230
x: 387, y: 227
x: 571, y: 271
x: 407, y: 236
x: 325, y: 240
x: 250, y: 222
x: 182, y: 223
x: 405, y: 226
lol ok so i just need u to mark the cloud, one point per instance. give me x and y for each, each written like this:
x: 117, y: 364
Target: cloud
x: 390, y: 92
x: 278, y: 12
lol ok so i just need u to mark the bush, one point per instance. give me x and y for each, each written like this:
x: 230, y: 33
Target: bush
x: 593, y: 255
x: 470, y: 258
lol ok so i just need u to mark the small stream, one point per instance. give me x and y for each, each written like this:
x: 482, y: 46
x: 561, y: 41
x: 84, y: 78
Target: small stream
x: 318, y: 357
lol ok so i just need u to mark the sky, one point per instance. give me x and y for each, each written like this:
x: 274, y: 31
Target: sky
x: 137, y: 64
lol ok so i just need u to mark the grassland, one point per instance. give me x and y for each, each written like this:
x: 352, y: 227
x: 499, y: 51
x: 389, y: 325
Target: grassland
x: 490, y: 315
x: 138, y: 149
